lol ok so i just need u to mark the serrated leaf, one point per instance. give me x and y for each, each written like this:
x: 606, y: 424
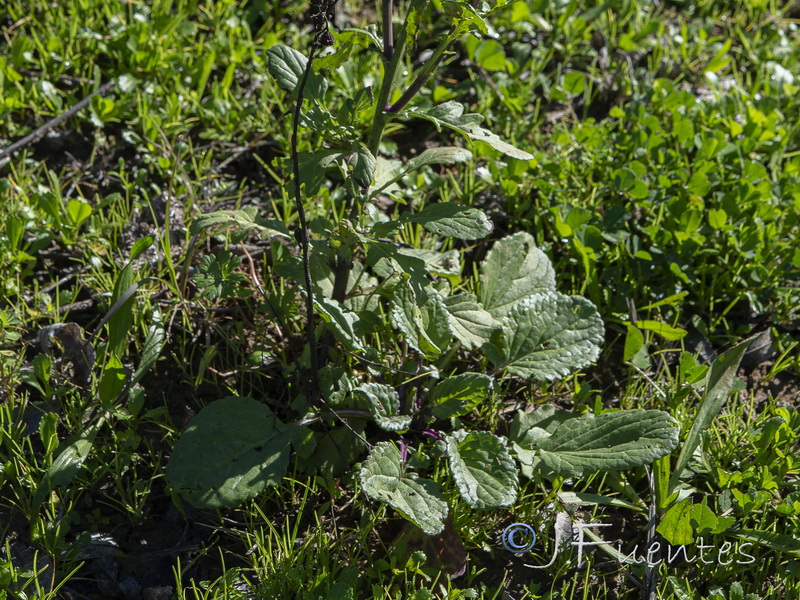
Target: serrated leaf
x: 286, y: 65
x: 385, y: 404
x: 610, y: 442
x: 472, y: 325
x: 547, y: 336
x: 460, y: 394
x: 425, y: 326
x: 231, y: 451
x: 483, y: 469
x: 452, y: 220
x: 451, y: 115
x: 246, y: 218
x: 418, y: 500
x: 513, y: 270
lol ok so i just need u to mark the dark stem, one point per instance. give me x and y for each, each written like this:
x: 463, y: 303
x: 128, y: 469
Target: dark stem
x: 388, y: 33
x: 302, y: 237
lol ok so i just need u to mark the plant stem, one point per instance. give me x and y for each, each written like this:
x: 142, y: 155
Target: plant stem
x: 302, y: 238
x: 423, y: 76
x: 381, y: 117
x: 388, y: 33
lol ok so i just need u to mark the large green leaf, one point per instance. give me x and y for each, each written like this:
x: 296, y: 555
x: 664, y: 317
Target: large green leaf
x: 418, y: 500
x: 547, y: 336
x: 610, y: 442
x: 451, y: 115
x: 231, y: 451
x: 452, y: 220
x: 484, y: 471
x: 471, y: 323
x: 385, y: 405
x: 286, y: 65
x: 513, y: 270
x: 719, y: 382
x: 460, y: 394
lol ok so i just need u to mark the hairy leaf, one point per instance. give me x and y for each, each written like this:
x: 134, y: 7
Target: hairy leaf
x: 418, y: 500
x: 548, y: 336
x: 286, y: 65
x: 513, y: 270
x: 483, y: 469
x: 610, y: 442
x: 471, y: 323
x: 452, y: 220
x: 385, y: 405
x: 460, y: 394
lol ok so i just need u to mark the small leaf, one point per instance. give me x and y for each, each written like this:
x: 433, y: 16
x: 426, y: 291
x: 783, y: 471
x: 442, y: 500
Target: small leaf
x: 610, y: 442
x: 676, y: 524
x: 246, y: 219
x: 666, y: 331
x: 418, y: 500
x: 452, y: 220
x: 286, y: 65
x: 547, y: 336
x: 513, y: 270
x: 112, y: 381
x: 460, y: 394
x: 385, y: 406
x: 472, y: 325
x: 70, y: 457
x: 484, y: 471
x: 140, y: 246
x: 231, y: 451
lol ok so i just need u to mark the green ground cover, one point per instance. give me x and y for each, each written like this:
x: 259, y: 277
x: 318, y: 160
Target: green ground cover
x: 557, y: 284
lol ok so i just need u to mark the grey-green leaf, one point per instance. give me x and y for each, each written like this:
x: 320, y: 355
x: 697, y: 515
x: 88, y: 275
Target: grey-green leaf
x: 231, y: 451
x: 418, y: 500
x: 385, y: 405
x: 483, y: 469
x: 547, y: 336
x: 610, y: 442
x: 392, y: 171
x: 460, y: 394
x: 246, y: 218
x: 426, y: 325
x: 286, y: 65
x: 471, y: 323
x: 513, y: 270
x: 452, y: 220
x: 344, y: 323
x: 451, y: 115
